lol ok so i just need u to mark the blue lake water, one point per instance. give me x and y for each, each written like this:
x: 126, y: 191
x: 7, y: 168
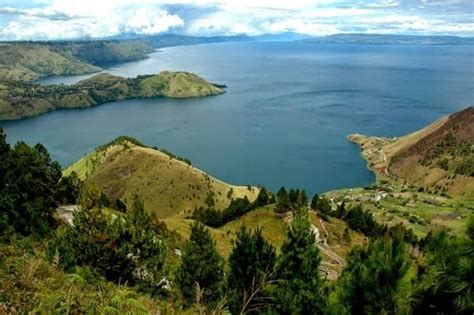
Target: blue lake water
x: 285, y: 116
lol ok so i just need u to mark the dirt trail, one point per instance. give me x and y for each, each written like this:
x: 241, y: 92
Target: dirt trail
x: 331, y: 259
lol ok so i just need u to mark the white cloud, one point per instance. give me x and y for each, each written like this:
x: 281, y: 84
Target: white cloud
x: 64, y: 19
x: 61, y: 21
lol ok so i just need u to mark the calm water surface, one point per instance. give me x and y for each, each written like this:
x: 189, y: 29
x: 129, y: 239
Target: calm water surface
x: 286, y: 113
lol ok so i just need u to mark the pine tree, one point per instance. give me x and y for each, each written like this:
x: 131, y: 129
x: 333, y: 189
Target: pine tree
x: 293, y: 194
x: 251, y: 267
x: 446, y: 281
x: 201, y: 265
x: 28, y: 188
x: 124, y: 250
x: 4, y: 157
x: 299, y: 286
x: 281, y: 192
x: 315, y: 202
x: 262, y: 198
x: 302, y: 200
x: 341, y: 211
x: 373, y: 281
x: 283, y: 201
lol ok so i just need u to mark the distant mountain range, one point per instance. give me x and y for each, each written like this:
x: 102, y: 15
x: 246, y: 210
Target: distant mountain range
x: 164, y: 40
x: 379, y: 39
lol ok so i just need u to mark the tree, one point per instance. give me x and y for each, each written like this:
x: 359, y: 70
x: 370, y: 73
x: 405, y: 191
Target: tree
x: 281, y: 192
x: 340, y: 211
x: 263, y: 198
x: 201, y: 265
x: 293, y: 194
x: 124, y: 250
x: 28, y: 192
x: 69, y: 189
x: 315, y: 202
x: 375, y: 279
x: 251, y: 267
x: 283, y: 203
x: 445, y: 281
x: 302, y: 199
x: 299, y: 286
x: 210, y: 202
x: 4, y: 158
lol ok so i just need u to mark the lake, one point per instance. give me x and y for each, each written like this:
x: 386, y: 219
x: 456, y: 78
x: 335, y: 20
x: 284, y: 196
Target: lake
x: 284, y: 119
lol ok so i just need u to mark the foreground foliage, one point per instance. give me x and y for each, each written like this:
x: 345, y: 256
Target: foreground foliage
x: 114, y: 261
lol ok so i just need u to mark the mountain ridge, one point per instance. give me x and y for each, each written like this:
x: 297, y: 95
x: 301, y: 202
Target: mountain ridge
x: 436, y: 158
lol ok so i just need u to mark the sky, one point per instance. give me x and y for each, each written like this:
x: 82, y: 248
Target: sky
x: 73, y: 19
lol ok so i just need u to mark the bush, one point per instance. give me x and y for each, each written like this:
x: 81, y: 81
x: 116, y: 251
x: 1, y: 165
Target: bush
x: 124, y: 250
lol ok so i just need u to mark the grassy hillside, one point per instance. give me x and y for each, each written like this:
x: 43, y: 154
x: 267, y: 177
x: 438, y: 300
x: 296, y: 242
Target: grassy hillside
x: 334, y: 248
x: 21, y: 99
x: 168, y: 186
x: 29, y: 62
x: 418, y: 210
x: 438, y: 158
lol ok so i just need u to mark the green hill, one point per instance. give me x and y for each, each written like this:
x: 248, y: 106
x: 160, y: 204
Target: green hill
x: 22, y: 99
x: 334, y: 249
x: 29, y: 62
x: 169, y: 186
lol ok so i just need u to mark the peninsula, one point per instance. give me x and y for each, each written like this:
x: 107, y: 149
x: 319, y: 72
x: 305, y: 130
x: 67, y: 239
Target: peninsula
x: 25, y: 99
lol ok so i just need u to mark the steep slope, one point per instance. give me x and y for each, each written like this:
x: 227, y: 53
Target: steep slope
x: 169, y: 186
x: 438, y: 158
x: 28, y: 62
x: 22, y: 99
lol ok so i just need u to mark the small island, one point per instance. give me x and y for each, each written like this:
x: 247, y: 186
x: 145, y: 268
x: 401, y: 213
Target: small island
x: 24, y: 99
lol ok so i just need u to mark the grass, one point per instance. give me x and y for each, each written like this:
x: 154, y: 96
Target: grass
x: 274, y: 230
x: 30, y: 284
x: 168, y: 187
x: 29, y: 62
x: 420, y: 211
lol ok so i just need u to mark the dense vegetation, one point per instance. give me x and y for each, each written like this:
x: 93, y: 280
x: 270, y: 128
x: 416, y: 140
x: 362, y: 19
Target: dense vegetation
x: 237, y: 208
x: 115, y: 262
x: 30, y: 188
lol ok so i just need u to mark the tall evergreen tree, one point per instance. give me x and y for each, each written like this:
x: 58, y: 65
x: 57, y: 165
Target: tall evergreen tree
x: 283, y: 201
x: 293, y: 194
x: 315, y: 202
x: 4, y: 158
x: 446, y: 281
x: 251, y: 267
x: 302, y: 199
x: 373, y: 281
x: 299, y: 286
x: 281, y: 192
x: 201, y: 265
x: 341, y: 211
x: 29, y: 189
x: 263, y: 198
